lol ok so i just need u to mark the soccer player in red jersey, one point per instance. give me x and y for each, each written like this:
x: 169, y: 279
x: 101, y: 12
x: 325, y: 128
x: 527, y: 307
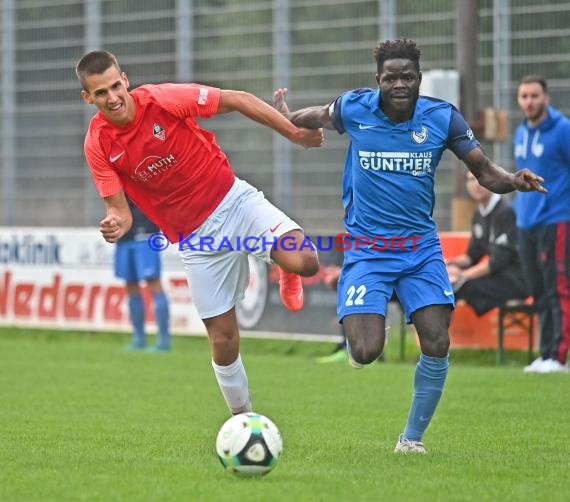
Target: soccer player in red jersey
x: 146, y: 143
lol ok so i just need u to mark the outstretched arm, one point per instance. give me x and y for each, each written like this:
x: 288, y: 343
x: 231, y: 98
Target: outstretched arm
x: 256, y: 109
x: 312, y: 117
x: 495, y: 178
x: 119, y: 217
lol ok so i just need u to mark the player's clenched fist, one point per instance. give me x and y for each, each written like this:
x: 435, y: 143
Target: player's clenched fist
x: 310, y: 138
x: 111, y: 228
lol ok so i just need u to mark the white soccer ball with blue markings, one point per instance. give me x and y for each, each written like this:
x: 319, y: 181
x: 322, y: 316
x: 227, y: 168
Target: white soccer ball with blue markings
x: 249, y: 444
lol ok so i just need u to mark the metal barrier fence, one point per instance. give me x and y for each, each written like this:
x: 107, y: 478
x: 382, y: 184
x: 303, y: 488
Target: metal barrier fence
x: 317, y: 48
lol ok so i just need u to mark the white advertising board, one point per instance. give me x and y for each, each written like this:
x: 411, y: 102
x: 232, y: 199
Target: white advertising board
x: 63, y: 277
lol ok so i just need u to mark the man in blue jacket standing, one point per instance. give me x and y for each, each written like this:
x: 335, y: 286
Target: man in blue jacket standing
x: 542, y: 144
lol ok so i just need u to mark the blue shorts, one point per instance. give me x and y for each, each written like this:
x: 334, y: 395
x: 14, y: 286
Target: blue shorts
x: 135, y: 261
x: 419, y: 278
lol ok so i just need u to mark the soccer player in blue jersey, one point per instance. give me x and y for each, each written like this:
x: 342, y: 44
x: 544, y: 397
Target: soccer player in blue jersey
x: 396, y: 141
x: 136, y: 262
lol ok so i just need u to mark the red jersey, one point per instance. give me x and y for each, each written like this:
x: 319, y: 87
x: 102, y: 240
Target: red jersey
x: 172, y: 169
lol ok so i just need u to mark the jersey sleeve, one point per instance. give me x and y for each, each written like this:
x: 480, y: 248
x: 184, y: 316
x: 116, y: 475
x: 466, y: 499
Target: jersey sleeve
x: 106, y: 180
x: 474, y: 250
x: 187, y: 100
x: 336, y: 116
x: 460, y: 138
x: 503, y: 250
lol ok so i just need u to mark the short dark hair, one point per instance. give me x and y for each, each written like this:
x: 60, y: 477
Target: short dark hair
x: 534, y: 79
x: 95, y: 63
x: 397, y: 49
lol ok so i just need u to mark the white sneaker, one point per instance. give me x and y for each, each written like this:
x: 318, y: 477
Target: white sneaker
x: 535, y: 365
x: 409, y: 446
x: 552, y: 366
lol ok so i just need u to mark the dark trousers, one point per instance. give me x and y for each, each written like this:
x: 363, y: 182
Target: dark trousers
x: 545, y: 254
x: 488, y: 292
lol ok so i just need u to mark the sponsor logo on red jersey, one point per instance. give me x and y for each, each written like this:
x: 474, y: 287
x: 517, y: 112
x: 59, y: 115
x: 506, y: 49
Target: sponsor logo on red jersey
x: 153, y: 166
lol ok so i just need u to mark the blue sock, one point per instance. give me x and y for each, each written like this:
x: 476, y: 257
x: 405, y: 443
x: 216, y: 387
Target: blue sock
x: 161, y: 315
x: 136, y: 310
x: 428, y: 387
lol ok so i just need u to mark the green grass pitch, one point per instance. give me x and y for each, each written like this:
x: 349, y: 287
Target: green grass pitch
x: 80, y: 419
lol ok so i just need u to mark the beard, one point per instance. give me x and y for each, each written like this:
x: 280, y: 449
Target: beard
x: 535, y: 115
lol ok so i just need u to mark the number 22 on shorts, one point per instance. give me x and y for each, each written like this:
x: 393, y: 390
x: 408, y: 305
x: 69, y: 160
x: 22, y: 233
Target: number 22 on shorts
x: 359, y: 291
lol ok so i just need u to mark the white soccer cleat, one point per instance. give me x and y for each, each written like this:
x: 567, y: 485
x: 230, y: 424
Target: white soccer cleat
x: 246, y: 408
x: 552, y: 366
x: 409, y: 446
x: 535, y: 365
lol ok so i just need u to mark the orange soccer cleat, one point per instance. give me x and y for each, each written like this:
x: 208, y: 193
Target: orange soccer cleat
x: 291, y: 290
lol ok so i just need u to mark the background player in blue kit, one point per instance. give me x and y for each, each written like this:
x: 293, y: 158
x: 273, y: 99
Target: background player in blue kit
x: 136, y: 261
x: 396, y: 141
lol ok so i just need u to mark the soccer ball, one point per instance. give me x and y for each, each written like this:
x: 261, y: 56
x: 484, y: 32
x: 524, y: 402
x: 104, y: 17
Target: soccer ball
x: 249, y: 444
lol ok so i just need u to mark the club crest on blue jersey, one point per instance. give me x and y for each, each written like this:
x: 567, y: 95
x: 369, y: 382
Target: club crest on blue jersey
x: 158, y: 132
x: 421, y: 136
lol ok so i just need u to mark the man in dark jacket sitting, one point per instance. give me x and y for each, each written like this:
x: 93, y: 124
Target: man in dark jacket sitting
x: 489, y: 273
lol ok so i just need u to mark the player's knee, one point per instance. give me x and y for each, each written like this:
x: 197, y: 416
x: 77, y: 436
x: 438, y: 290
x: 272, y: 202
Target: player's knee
x: 218, y: 337
x: 364, y: 353
x: 221, y: 334
x: 224, y: 346
x: 366, y: 357
x: 154, y: 286
x: 310, y: 265
x: 306, y: 264
x: 437, y: 347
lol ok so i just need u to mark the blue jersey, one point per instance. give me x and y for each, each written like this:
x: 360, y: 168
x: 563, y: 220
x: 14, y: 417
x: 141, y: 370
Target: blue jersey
x: 388, y: 180
x: 545, y: 150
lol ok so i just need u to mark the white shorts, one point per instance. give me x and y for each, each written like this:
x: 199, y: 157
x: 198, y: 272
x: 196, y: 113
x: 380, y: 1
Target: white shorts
x: 215, y: 255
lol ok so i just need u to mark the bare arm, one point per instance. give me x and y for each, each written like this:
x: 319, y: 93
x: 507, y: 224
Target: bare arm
x: 256, y: 109
x: 312, y: 117
x: 482, y: 269
x: 496, y: 179
x: 455, y: 267
x: 119, y: 217
x: 462, y: 261
x: 332, y: 275
x: 458, y: 275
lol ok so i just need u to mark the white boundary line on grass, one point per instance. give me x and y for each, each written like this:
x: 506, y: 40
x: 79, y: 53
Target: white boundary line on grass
x: 277, y: 335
